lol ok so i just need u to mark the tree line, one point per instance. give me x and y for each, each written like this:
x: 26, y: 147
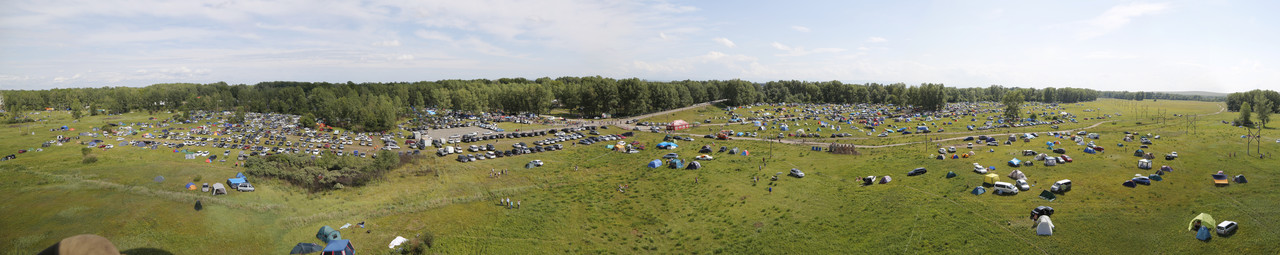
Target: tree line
x: 1255, y: 103
x: 377, y: 106
x: 1143, y: 95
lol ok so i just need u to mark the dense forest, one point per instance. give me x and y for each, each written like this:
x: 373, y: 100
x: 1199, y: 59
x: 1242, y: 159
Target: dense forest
x: 1143, y: 95
x: 375, y: 106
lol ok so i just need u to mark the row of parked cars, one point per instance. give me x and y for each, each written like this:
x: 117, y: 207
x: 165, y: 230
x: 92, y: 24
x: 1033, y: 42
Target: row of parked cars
x: 519, y: 149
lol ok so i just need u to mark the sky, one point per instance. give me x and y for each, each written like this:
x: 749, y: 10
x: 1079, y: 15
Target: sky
x: 1210, y: 45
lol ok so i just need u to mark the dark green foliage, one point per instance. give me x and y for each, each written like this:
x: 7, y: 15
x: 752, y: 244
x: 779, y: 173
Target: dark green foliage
x: 318, y: 174
x: 89, y: 159
x: 85, y: 151
x: 307, y: 121
x: 419, y: 244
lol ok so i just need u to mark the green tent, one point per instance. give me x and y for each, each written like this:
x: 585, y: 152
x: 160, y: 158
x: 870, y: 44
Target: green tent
x: 1205, y: 221
x: 327, y: 234
x: 951, y: 174
x: 1046, y: 195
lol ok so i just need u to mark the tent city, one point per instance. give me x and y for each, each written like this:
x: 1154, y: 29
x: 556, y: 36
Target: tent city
x: 639, y: 127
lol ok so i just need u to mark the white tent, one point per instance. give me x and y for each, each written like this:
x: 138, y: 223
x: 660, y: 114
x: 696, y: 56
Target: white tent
x: 1042, y: 156
x: 218, y: 189
x: 1050, y: 161
x: 1044, y: 226
x: 1144, y: 164
x: 1017, y: 175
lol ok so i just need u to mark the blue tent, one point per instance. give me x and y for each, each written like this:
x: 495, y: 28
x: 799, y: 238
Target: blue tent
x: 235, y: 181
x: 339, y: 247
x: 979, y: 190
x: 1015, y: 162
x: 1156, y: 177
x: 240, y: 175
x: 1090, y: 151
x: 655, y: 163
x: 1203, y: 234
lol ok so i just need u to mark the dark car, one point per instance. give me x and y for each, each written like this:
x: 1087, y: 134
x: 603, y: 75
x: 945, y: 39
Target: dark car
x: 917, y: 171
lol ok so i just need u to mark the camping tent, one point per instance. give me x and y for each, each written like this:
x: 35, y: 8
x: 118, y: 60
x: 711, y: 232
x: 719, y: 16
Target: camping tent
x: 991, y: 178
x: 218, y: 189
x: 1166, y: 168
x: 192, y: 186
x: 951, y: 174
x: 1089, y: 150
x: 694, y: 165
x: 655, y: 163
x: 677, y: 163
x: 1144, y: 164
x: 979, y: 190
x: 1050, y: 161
x: 1205, y: 221
x: 159, y: 178
x: 678, y: 125
x: 1046, y: 195
x: 1015, y: 162
x: 1203, y: 234
x: 339, y: 247
x: 885, y: 179
x: 1017, y: 175
x: 1240, y: 179
x: 304, y: 248
x: 1138, y: 153
x: 240, y: 175
x: 530, y: 165
x: 1044, y: 226
x: 327, y: 234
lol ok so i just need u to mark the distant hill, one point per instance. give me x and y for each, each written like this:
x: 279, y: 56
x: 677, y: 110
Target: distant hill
x: 1198, y: 93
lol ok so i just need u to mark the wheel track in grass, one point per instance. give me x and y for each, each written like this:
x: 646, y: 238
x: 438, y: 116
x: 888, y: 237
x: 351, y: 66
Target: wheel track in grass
x: 1250, y: 213
x: 984, y: 218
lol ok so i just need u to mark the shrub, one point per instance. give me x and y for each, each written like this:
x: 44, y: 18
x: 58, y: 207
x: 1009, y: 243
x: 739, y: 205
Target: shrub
x: 85, y: 151
x: 89, y: 159
x: 420, y: 244
x: 197, y: 178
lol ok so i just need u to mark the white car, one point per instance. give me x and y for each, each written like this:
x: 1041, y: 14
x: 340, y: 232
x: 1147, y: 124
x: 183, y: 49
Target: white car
x: 704, y: 157
x: 979, y: 169
x: 536, y: 162
x: 1005, y: 188
x: 1061, y: 186
x: 797, y: 173
x: 1022, y: 185
x: 1227, y: 228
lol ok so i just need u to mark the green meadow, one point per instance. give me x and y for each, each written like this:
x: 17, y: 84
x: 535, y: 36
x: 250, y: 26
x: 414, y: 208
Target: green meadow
x: 572, y: 204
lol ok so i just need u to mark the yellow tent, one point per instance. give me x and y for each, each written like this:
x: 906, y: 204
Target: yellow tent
x: 991, y: 178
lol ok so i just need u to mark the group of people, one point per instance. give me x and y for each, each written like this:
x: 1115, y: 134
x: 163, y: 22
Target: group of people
x: 507, y: 203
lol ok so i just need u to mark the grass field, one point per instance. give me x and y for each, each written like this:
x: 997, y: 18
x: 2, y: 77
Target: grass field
x: 52, y: 195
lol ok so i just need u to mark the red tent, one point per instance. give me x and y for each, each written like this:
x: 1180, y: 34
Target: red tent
x: 678, y: 125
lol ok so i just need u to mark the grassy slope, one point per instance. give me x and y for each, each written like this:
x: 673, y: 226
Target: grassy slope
x: 52, y: 195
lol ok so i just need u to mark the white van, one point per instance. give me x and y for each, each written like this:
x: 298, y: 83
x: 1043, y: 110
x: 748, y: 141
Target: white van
x: 1005, y: 188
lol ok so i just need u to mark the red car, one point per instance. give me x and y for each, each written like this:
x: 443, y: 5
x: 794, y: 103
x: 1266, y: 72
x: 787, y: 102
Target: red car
x: 1066, y: 158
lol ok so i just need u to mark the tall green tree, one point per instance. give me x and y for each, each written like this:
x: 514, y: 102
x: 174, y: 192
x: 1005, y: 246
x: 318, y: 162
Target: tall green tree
x: 1012, y: 105
x: 1264, y: 106
x: 1246, y: 109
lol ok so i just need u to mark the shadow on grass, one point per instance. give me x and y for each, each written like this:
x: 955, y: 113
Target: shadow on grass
x: 146, y: 251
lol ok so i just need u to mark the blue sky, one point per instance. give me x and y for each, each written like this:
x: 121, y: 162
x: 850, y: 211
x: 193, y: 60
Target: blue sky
x: 1219, y: 46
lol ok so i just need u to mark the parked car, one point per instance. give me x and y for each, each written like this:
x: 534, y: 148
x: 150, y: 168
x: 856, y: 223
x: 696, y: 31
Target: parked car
x: 245, y: 187
x: 1061, y: 186
x: 671, y: 155
x: 536, y: 162
x: 1022, y: 185
x: 797, y: 173
x: 1067, y: 158
x: 1226, y: 228
x: 704, y: 157
x: 917, y: 171
x: 1142, y: 180
x: 1005, y: 188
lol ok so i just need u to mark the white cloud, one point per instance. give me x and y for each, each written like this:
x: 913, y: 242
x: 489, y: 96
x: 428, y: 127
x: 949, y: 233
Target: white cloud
x: 710, y: 60
x: 801, y: 51
x: 1109, y: 55
x: 60, y: 79
x: 800, y: 29
x: 673, y: 8
x: 877, y: 39
x: 662, y: 35
x: 405, y: 57
x: 724, y: 41
x: 433, y: 35
x: 391, y: 43
x: 1117, y: 17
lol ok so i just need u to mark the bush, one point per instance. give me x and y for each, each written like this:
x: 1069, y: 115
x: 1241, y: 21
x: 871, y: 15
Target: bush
x: 89, y: 159
x: 420, y: 244
x: 197, y: 178
x: 85, y: 151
